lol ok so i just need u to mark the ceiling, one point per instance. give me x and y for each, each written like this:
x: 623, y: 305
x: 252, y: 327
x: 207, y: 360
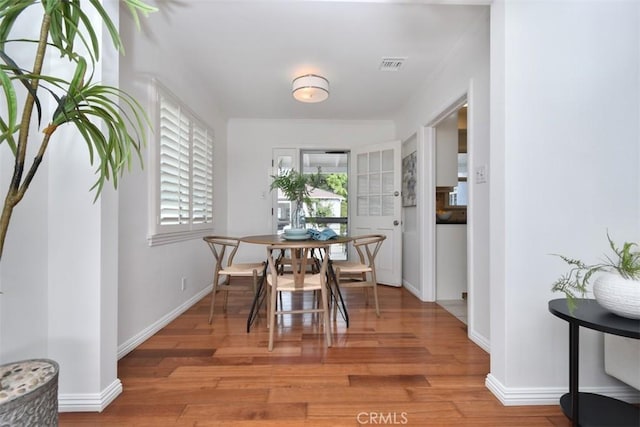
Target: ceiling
x: 245, y: 54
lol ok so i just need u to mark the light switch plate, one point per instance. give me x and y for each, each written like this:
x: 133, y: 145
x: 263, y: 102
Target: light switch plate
x: 481, y: 174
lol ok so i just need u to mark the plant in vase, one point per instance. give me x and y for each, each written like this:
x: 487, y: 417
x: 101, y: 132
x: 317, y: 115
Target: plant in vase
x: 111, y: 122
x: 296, y: 187
x: 616, y: 284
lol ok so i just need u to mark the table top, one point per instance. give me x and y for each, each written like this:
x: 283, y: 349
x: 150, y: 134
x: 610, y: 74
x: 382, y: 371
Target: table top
x: 278, y: 239
x: 590, y: 314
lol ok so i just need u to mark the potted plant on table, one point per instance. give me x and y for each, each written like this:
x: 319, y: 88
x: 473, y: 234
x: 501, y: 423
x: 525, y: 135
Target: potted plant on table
x: 111, y: 122
x: 616, y: 284
x: 296, y: 188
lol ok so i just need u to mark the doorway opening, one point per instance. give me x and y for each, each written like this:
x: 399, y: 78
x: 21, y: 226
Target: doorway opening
x: 451, y: 203
x: 328, y: 173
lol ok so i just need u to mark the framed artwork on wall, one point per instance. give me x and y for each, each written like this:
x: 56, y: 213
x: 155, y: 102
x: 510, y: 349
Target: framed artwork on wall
x: 409, y: 165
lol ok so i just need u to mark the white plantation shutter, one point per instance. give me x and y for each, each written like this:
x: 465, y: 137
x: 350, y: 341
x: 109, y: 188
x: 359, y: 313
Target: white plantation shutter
x: 183, y: 195
x: 202, y: 175
x: 174, y: 164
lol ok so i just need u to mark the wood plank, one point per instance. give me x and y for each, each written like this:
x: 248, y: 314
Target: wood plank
x: 413, y: 365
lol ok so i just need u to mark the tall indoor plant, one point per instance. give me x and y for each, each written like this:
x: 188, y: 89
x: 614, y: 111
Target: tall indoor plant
x: 112, y: 123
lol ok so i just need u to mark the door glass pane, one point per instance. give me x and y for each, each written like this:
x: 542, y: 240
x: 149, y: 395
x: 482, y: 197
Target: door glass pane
x: 363, y: 163
x: 374, y: 161
x: 387, y: 160
x: 363, y: 206
x: 284, y: 163
x: 374, y: 206
x: 374, y: 184
x: 363, y: 184
x: 387, y: 205
x: 387, y: 183
x: 284, y: 159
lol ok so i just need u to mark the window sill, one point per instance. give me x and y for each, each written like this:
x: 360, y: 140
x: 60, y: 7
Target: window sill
x: 179, y: 236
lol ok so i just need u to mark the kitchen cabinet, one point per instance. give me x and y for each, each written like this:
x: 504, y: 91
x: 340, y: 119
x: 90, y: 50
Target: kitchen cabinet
x: 447, y: 152
x: 451, y: 261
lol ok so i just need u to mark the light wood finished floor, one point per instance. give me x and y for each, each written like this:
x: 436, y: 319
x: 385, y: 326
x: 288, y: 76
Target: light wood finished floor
x: 412, y: 366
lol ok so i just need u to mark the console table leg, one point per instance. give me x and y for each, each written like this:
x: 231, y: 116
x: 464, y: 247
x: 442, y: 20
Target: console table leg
x: 574, y: 371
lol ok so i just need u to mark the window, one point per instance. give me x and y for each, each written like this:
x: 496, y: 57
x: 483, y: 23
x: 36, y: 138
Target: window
x: 182, y: 162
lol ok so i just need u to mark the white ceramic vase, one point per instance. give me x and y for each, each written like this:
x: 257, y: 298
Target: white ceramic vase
x: 618, y: 295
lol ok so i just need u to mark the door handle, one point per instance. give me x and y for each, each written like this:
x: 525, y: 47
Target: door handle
x: 396, y: 193
x: 396, y: 222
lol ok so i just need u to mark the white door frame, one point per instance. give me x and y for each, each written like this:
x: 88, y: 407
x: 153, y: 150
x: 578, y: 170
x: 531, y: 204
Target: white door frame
x: 427, y: 210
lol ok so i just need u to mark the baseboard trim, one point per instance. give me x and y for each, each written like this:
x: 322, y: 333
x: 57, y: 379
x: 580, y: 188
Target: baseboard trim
x: 147, y: 333
x: 412, y: 289
x: 90, y: 402
x: 480, y: 340
x: 519, y: 396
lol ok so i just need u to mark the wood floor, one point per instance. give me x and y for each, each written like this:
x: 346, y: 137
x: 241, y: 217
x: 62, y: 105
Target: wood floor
x: 412, y: 366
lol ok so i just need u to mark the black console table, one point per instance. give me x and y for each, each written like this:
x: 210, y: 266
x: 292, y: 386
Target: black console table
x: 589, y: 409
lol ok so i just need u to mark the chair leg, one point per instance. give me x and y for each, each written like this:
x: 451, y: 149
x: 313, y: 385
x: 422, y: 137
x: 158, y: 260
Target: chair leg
x: 326, y: 314
x: 272, y: 317
x: 214, y: 290
x: 375, y: 298
x: 226, y: 296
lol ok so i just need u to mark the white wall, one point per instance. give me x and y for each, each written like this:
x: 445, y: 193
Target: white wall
x: 59, y: 269
x: 564, y: 169
x: 465, y: 71
x: 24, y: 287
x: 410, y: 236
x: 150, y: 277
x: 249, y: 163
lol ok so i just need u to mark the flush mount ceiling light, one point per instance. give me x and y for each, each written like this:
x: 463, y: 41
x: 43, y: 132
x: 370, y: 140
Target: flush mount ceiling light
x: 310, y: 88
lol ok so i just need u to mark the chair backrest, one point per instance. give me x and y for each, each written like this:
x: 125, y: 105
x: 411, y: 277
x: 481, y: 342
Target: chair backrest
x: 219, y: 246
x: 367, y: 247
x: 300, y: 257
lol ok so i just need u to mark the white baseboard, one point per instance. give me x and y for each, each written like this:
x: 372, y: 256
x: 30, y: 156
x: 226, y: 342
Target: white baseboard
x: 90, y: 402
x: 412, y: 289
x: 97, y: 402
x: 480, y: 340
x: 516, y: 396
x: 148, y: 332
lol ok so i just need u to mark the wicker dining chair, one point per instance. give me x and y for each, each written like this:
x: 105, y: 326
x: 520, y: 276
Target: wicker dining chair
x: 362, y: 272
x: 297, y: 278
x: 224, y: 266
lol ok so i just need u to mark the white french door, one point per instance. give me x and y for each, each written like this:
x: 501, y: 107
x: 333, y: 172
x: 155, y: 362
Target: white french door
x: 376, y: 206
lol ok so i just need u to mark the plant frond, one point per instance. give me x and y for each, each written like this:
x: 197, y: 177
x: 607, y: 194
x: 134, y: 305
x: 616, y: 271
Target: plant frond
x: 10, y: 10
x: 24, y: 78
x: 111, y: 144
x: 137, y: 6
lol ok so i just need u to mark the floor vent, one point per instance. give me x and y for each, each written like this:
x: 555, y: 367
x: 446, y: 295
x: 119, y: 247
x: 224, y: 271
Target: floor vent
x: 391, y: 64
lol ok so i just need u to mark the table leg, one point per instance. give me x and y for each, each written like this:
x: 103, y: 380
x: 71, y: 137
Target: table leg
x: 574, y: 347
x: 338, y: 300
x: 258, y: 299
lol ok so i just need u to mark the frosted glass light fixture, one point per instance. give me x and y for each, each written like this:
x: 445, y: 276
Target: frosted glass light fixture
x: 310, y: 88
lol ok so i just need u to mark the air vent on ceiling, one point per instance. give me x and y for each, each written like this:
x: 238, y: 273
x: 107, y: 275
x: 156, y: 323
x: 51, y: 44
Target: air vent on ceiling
x: 391, y: 64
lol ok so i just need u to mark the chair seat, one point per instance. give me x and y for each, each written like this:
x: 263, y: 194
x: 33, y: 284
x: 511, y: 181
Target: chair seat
x: 241, y: 269
x: 224, y: 266
x: 351, y: 267
x: 286, y: 283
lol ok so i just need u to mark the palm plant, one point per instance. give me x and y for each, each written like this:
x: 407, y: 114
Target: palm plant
x: 112, y: 123
x: 294, y: 185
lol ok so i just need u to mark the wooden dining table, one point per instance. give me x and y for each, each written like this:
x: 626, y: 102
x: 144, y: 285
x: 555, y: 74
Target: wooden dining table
x: 279, y: 239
